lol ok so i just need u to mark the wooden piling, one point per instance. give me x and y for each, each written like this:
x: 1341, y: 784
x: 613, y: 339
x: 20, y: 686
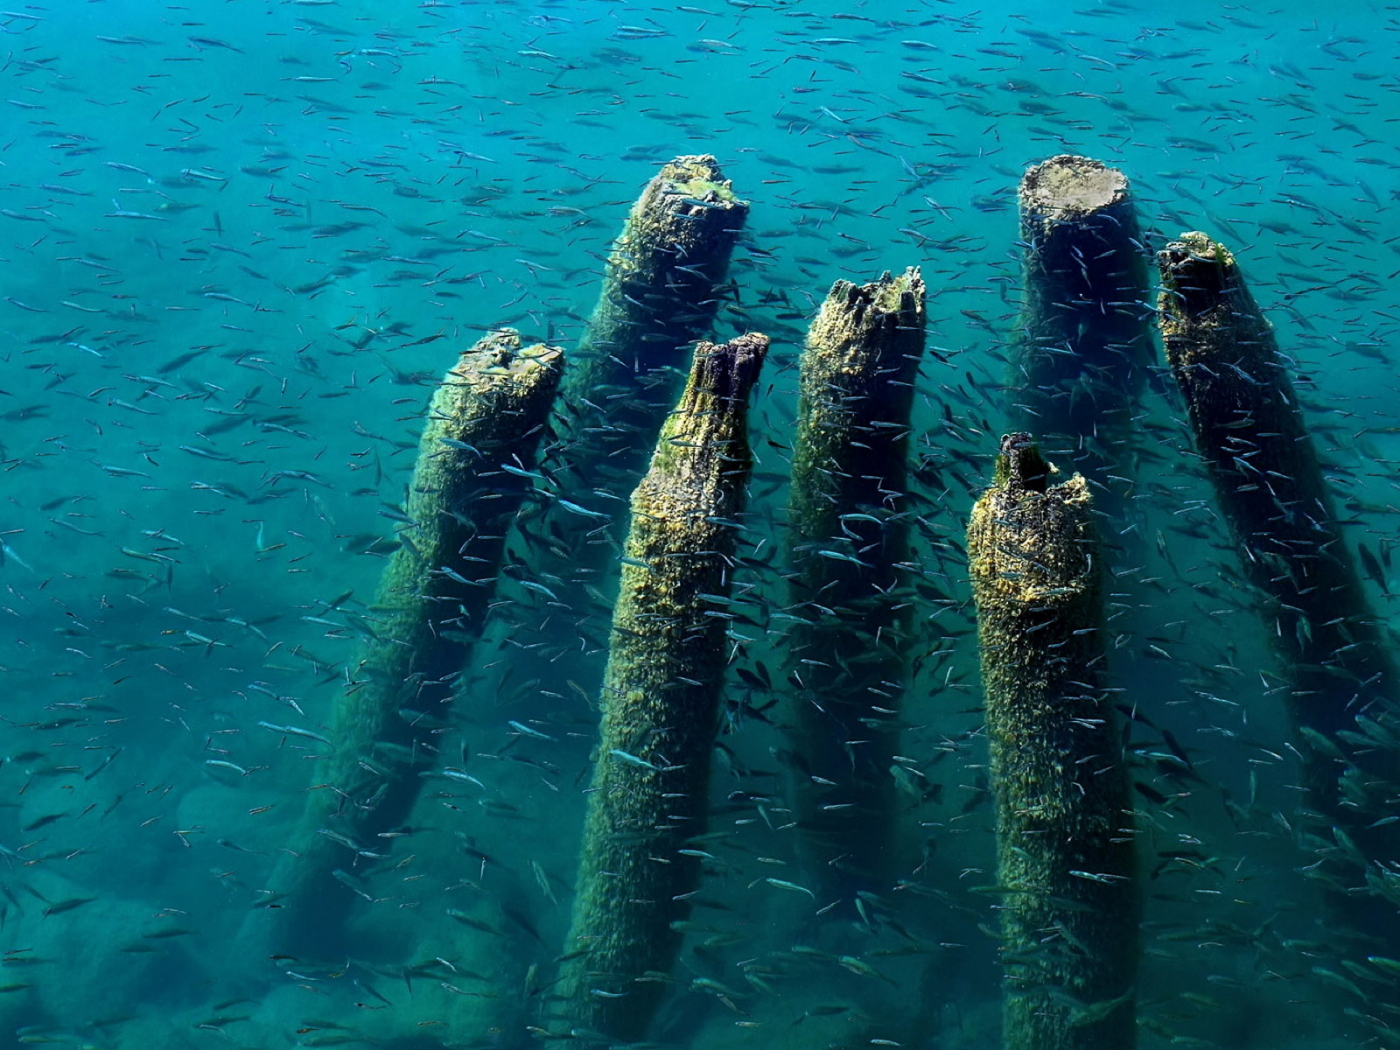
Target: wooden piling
x: 660, y: 700
x: 847, y: 529
x: 1065, y: 866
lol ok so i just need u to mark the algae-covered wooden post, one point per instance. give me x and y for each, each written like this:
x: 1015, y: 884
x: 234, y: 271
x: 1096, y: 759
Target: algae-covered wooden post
x: 1061, y: 790
x: 847, y: 531
x: 1269, y: 485
x: 661, y: 290
x: 477, y: 448
x: 1084, y: 341
x: 660, y: 703
x: 660, y: 294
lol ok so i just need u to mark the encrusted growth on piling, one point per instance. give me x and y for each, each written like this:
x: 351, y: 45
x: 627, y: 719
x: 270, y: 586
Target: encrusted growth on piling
x: 489, y: 413
x: 660, y: 703
x: 1064, y: 838
x: 659, y: 295
x: 846, y: 523
x: 661, y: 289
x: 1085, y: 341
x: 1269, y: 485
x: 1067, y: 188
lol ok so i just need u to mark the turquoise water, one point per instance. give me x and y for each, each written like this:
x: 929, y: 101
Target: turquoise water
x: 243, y: 240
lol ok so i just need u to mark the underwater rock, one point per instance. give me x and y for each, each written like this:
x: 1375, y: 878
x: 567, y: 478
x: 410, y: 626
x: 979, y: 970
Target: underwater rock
x: 78, y: 960
x: 1065, y: 863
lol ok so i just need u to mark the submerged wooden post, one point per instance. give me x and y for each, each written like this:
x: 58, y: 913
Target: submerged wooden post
x: 847, y: 531
x: 661, y: 291
x: 659, y: 295
x: 1085, y: 334
x: 488, y: 415
x: 1063, y: 811
x: 660, y: 703
x: 1269, y: 485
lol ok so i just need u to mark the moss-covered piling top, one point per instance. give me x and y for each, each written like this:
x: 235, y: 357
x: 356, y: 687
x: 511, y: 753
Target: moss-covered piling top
x: 1029, y: 539
x: 1066, y: 187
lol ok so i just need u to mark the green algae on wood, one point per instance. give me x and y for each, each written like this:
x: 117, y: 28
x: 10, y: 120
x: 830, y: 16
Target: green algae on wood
x: 1250, y: 433
x: 479, y: 443
x: 659, y: 295
x: 1065, y: 866
x: 661, y: 290
x: 660, y: 702
x: 1084, y: 340
x: 1269, y: 485
x: 847, y: 533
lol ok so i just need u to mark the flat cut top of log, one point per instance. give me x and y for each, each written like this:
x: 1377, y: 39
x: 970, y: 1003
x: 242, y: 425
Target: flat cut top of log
x: 1067, y: 187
